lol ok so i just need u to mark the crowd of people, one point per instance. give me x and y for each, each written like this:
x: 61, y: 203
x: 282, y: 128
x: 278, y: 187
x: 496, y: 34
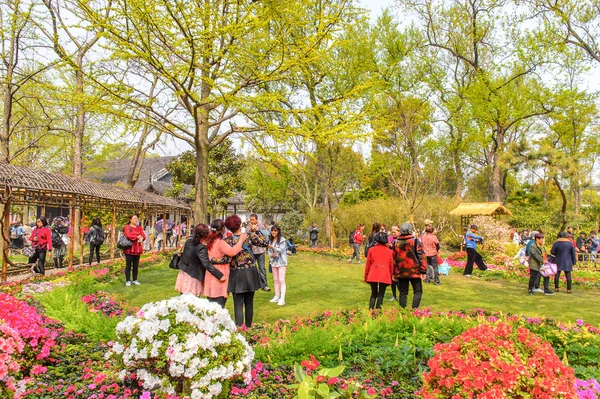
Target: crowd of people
x: 228, y: 257
x: 562, y: 257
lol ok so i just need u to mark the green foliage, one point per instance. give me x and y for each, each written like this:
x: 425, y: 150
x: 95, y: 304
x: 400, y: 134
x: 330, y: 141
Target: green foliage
x: 366, y: 194
x: 291, y: 224
x: 317, y: 386
x: 65, y: 304
x: 224, y: 177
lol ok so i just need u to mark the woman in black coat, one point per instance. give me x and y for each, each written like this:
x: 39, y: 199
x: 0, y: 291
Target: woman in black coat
x: 564, y: 255
x: 195, y: 263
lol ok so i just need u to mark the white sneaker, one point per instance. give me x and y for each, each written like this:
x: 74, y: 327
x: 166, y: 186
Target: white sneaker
x: 136, y: 282
x: 466, y: 275
x: 538, y: 290
x: 392, y: 299
x: 274, y: 299
x: 281, y: 302
x: 128, y: 284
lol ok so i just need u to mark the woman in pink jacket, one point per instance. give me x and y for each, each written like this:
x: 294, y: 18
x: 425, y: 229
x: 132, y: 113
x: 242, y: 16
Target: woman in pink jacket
x: 379, y: 269
x: 220, y: 254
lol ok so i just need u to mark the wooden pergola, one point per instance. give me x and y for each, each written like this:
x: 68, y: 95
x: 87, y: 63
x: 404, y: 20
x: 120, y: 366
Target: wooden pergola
x: 468, y: 210
x: 30, y: 187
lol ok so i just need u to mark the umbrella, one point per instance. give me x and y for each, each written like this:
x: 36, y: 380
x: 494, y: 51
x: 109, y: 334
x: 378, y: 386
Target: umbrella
x: 158, y: 226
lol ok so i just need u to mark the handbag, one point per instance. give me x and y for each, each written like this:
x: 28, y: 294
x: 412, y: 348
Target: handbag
x: 29, y: 252
x: 174, y: 263
x: 548, y: 269
x: 124, y: 242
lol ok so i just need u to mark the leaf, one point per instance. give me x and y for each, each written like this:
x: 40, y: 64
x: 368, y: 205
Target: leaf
x: 323, y: 390
x: 334, y: 372
x: 304, y: 391
x: 299, y: 373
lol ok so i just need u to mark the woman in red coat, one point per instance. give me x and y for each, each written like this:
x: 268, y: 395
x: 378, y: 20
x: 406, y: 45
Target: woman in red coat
x: 379, y: 269
x: 136, y: 235
x: 41, y: 242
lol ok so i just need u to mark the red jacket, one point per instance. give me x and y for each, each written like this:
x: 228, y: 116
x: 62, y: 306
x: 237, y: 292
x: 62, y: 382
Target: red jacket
x: 380, y: 265
x: 132, y: 233
x: 44, y: 236
x: 409, y: 258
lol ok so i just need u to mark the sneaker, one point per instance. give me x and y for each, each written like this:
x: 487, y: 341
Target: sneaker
x: 281, y: 301
x: 135, y: 282
x: 549, y: 293
x: 274, y: 299
x: 393, y: 299
x: 437, y: 283
x: 538, y: 290
x: 128, y: 284
x: 350, y: 261
x: 266, y: 288
x: 466, y: 275
x: 530, y: 292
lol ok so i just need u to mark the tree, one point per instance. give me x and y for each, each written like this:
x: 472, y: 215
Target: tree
x: 19, y: 67
x: 499, y: 64
x: 212, y: 57
x: 224, y: 179
x: 574, y: 23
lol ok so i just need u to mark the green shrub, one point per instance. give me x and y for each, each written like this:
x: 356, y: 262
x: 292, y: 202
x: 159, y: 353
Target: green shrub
x: 65, y: 304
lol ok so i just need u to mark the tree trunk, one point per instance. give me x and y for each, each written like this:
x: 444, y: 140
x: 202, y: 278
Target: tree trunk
x: 78, y: 145
x: 563, y: 209
x: 7, y: 99
x: 201, y: 181
x: 459, y: 175
x: 495, y: 191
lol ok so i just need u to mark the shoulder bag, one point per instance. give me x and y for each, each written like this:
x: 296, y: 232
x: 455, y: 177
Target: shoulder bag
x: 124, y: 242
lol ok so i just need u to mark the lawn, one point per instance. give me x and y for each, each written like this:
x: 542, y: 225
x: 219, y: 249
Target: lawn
x: 316, y: 283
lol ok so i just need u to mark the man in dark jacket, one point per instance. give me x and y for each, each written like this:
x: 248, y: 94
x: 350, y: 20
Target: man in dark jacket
x: 313, y: 234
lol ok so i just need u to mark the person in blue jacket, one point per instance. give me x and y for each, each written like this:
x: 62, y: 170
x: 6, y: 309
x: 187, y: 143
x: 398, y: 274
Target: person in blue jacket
x: 564, y: 255
x: 472, y: 255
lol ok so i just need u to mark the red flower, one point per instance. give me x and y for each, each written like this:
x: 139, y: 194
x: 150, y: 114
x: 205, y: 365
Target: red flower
x: 311, y: 364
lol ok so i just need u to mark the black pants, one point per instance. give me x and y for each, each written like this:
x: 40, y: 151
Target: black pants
x: 241, y: 301
x: 58, y: 262
x: 94, y: 248
x: 40, y: 257
x: 220, y: 300
x: 377, y: 294
x: 534, y: 276
x: 131, y: 265
x: 557, y: 279
x: 394, y: 287
x: 473, y: 257
x: 417, y: 286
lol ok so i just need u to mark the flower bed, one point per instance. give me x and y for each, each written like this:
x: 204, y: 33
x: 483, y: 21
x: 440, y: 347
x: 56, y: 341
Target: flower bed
x: 103, y: 303
x: 343, y: 252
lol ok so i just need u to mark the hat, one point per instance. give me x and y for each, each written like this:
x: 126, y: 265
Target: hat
x: 428, y: 221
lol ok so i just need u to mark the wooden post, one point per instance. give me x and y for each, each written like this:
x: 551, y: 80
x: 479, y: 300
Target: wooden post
x: 164, y: 244
x: 72, y: 240
x: 113, y: 233
x: 5, y: 233
x: 81, y: 235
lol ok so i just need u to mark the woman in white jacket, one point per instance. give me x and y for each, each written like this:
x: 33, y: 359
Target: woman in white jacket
x: 278, y: 255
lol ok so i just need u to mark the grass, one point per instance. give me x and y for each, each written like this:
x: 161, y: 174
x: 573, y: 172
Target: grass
x: 317, y: 283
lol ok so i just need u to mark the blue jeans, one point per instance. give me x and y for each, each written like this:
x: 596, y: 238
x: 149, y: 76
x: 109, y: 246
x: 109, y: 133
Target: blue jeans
x: 432, y: 270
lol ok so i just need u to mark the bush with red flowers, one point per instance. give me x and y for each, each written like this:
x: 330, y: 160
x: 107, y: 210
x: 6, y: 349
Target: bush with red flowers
x: 497, y: 361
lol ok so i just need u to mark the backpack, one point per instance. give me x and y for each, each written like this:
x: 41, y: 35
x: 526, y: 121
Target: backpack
x: 351, y: 238
x: 56, y: 239
x: 97, y: 237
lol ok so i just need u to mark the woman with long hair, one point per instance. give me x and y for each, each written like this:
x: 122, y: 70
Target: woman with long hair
x: 379, y: 269
x: 370, y: 239
x: 41, y: 241
x: 220, y: 254
x: 194, y: 263
x: 244, y: 279
x: 136, y: 235
x: 278, y: 255
x: 96, y: 235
